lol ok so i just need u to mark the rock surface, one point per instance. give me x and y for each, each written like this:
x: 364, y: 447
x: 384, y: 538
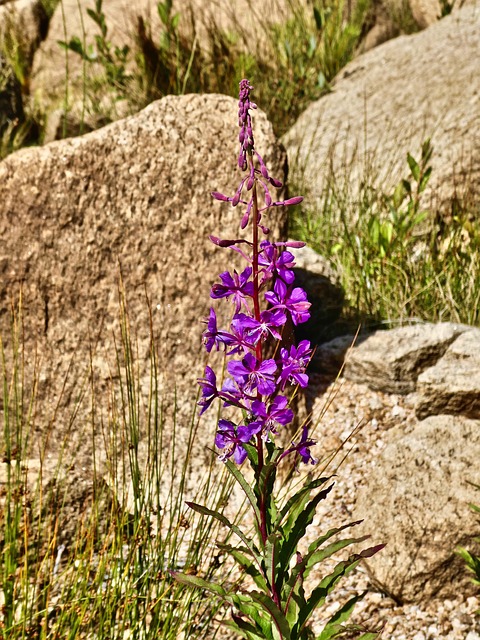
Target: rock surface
x: 391, y: 361
x: 417, y: 500
x: 134, y: 198
x: 388, y: 101
x: 452, y: 384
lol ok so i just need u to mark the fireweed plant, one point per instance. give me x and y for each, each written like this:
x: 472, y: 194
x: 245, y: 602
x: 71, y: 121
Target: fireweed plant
x: 259, y: 389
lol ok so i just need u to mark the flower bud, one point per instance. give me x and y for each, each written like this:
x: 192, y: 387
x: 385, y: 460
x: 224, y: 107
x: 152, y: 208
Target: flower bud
x: 220, y: 196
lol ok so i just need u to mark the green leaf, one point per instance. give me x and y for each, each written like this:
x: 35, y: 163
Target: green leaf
x: 265, y: 489
x: 271, y: 608
x: 414, y: 168
x: 271, y: 551
x: 318, y: 18
x: 74, y: 45
x: 327, y: 585
x: 427, y: 150
x: 254, y: 611
x: 398, y: 195
x: 320, y: 555
x: 240, y: 555
x: 424, y: 180
x: 221, y: 518
x: 163, y: 12
x: 300, y: 499
x: 247, y: 489
x: 200, y: 583
x: 313, y: 557
x: 244, y: 628
x: 333, y: 626
x: 99, y: 18
x: 297, y: 524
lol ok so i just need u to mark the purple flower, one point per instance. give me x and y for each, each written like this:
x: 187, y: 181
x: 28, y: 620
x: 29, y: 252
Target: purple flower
x: 254, y: 330
x: 302, y: 448
x: 232, y: 395
x: 232, y: 439
x: 237, y: 286
x: 293, y: 364
x: 292, y: 299
x: 212, y: 337
x: 251, y: 374
x: 277, y: 413
x: 275, y: 263
x: 241, y: 339
x: 209, y: 389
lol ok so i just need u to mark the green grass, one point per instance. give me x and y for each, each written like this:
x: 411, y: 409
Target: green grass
x: 97, y: 566
x: 399, y: 259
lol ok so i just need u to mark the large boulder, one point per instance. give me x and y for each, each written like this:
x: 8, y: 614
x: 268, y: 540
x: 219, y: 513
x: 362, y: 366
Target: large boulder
x: 132, y: 198
x: 417, y: 498
x: 387, y: 102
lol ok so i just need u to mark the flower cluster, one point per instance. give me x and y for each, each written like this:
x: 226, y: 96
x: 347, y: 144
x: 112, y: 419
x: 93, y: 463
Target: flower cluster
x: 264, y: 299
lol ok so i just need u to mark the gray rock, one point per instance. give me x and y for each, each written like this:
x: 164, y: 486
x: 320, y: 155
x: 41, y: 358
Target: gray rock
x: 391, y: 361
x: 417, y: 501
x: 133, y: 197
x: 330, y: 356
x: 452, y: 385
x: 387, y: 101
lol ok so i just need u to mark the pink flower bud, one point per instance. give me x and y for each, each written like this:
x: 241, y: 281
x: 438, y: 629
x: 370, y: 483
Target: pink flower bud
x: 220, y: 196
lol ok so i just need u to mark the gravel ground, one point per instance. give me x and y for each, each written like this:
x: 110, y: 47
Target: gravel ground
x: 345, y: 407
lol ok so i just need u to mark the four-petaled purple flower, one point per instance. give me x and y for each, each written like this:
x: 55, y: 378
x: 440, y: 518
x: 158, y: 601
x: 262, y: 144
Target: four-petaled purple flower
x: 250, y: 374
x: 232, y: 438
x: 256, y: 330
x: 237, y: 286
x: 294, y: 363
x: 273, y: 262
x: 277, y: 413
x: 292, y: 299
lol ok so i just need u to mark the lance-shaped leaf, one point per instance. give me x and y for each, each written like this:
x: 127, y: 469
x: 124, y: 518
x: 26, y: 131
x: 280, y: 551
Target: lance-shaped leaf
x: 327, y: 585
x: 247, y: 489
x: 200, y: 583
x: 274, y: 612
x: 246, y: 629
x: 298, y: 528
x: 255, y: 612
x: 221, y: 518
x: 314, y: 556
x: 271, y: 559
x: 266, y: 489
x: 334, y: 626
x: 240, y: 554
x: 297, y: 502
x: 321, y: 554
